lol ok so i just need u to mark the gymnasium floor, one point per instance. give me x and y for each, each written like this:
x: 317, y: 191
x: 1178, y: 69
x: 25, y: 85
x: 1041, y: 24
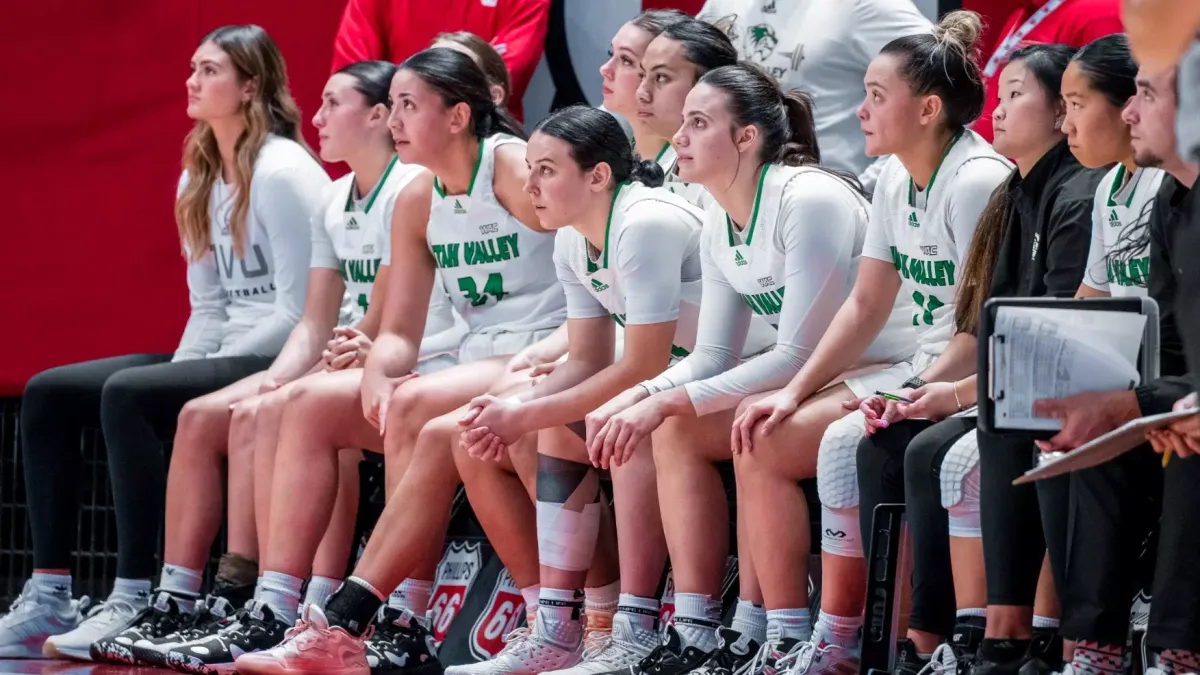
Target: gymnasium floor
x: 15, y: 667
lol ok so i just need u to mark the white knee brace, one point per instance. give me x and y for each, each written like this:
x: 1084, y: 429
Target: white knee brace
x: 837, y: 485
x: 959, y: 479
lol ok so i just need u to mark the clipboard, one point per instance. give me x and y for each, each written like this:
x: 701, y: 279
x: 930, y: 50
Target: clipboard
x: 1113, y: 444
x: 1148, y: 360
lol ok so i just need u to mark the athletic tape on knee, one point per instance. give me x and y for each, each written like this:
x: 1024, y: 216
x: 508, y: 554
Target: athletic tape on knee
x: 837, y: 462
x: 959, y: 479
x: 840, y: 532
x: 568, y: 513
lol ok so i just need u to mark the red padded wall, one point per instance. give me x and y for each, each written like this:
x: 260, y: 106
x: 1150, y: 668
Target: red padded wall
x: 91, y: 131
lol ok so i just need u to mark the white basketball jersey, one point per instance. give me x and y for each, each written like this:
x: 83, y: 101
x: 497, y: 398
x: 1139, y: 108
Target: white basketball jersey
x: 754, y: 260
x: 498, y: 273
x: 1119, y: 205
x: 637, y: 206
x: 359, y: 230
x: 693, y: 192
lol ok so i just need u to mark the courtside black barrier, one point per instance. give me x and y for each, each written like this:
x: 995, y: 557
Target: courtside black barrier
x: 94, y: 560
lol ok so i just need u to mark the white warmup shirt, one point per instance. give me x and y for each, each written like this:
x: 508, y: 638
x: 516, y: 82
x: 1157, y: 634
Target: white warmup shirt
x: 793, y: 265
x: 822, y: 47
x: 926, y: 233
x: 353, y: 236
x: 498, y: 272
x: 649, y: 270
x: 249, y: 305
x: 1119, y: 206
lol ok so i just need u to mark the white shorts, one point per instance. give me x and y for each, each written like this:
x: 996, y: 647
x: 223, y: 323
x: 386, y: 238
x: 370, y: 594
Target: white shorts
x: 478, y: 346
x: 867, y: 381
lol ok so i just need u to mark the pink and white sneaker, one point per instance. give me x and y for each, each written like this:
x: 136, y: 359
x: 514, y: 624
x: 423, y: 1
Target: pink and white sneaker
x: 312, y: 646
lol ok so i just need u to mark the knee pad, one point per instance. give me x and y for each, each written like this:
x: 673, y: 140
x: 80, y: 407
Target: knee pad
x: 837, y: 462
x: 568, y: 513
x: 959, y: 478
x: 840, y: 532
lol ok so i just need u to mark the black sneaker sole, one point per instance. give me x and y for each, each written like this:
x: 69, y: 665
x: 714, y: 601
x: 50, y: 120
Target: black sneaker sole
x: 433, y: 667
x: 112, y: 652
x: 190, y: 664
x: 147, y: 656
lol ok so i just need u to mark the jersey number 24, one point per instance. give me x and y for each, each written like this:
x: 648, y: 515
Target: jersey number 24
x: 493, y: 288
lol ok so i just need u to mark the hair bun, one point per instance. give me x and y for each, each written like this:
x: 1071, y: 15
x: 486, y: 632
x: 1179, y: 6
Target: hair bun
x: 647, y: 172
x: 960, y: 28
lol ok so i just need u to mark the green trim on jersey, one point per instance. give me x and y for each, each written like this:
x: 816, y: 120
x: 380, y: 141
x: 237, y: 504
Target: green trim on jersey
x: 591, y: 266
x: 762, y: 178
x: 374, y: 191
x: 437, y: 186
x: 1117, y: 185
x: 912, y: 187
x: 662, y: 152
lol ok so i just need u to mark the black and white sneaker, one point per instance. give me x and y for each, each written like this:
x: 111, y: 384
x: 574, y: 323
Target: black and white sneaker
x: 162, y: 617
x: 734, y: 650
x: 401, y: 645
x: 207, y: 617
x: 253, y: 628
x: 669, y: 658
x: 909, y: 661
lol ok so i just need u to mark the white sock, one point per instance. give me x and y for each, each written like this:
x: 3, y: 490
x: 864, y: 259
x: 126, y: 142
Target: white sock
x: 281, y: 592
x: 842, y: 631
x: 602, y: 598
x: 691, y: 621
x: 1044, y: 622
x: 319, y: 590
x: 642, y: 612
x: 258, y: 588
x: 530, y: 595
x: 750, y: 619
x: 975, y: 611
x: 795, y: 624
x: 412, y: 595
x: 559, y: 616
x: 136, y: 592
x: 53, y: 589
x: 180, y: 581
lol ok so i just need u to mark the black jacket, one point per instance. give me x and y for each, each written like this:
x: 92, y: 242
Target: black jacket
x: 1174, y: 238
x: 1048, y: 229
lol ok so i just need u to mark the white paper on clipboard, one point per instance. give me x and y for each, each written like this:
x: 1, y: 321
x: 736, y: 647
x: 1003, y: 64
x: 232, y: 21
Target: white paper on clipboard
x: 1043, y: 353
x: 1113, y: 444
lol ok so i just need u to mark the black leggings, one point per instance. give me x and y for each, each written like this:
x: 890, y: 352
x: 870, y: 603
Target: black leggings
x: 902, y: 464
x: 1114, y: 506
x: 135, y: 400
x: 1174, y: 620
x: 1019, y: 522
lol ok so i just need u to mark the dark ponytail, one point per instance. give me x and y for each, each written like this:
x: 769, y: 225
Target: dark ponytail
x: 457, y: 79
x: 785, y: 120
x: 801, y: 147
x: 372, y: 79
x: 594, y: 136
x: 944, y: 64
x: 975, y: 281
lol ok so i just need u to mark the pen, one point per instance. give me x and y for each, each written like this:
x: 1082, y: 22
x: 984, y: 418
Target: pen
x: 893, y: 397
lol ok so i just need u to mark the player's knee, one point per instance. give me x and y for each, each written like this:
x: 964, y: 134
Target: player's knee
x: 837, y: 463
x: 197, y: 414
x: 959, y: 484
